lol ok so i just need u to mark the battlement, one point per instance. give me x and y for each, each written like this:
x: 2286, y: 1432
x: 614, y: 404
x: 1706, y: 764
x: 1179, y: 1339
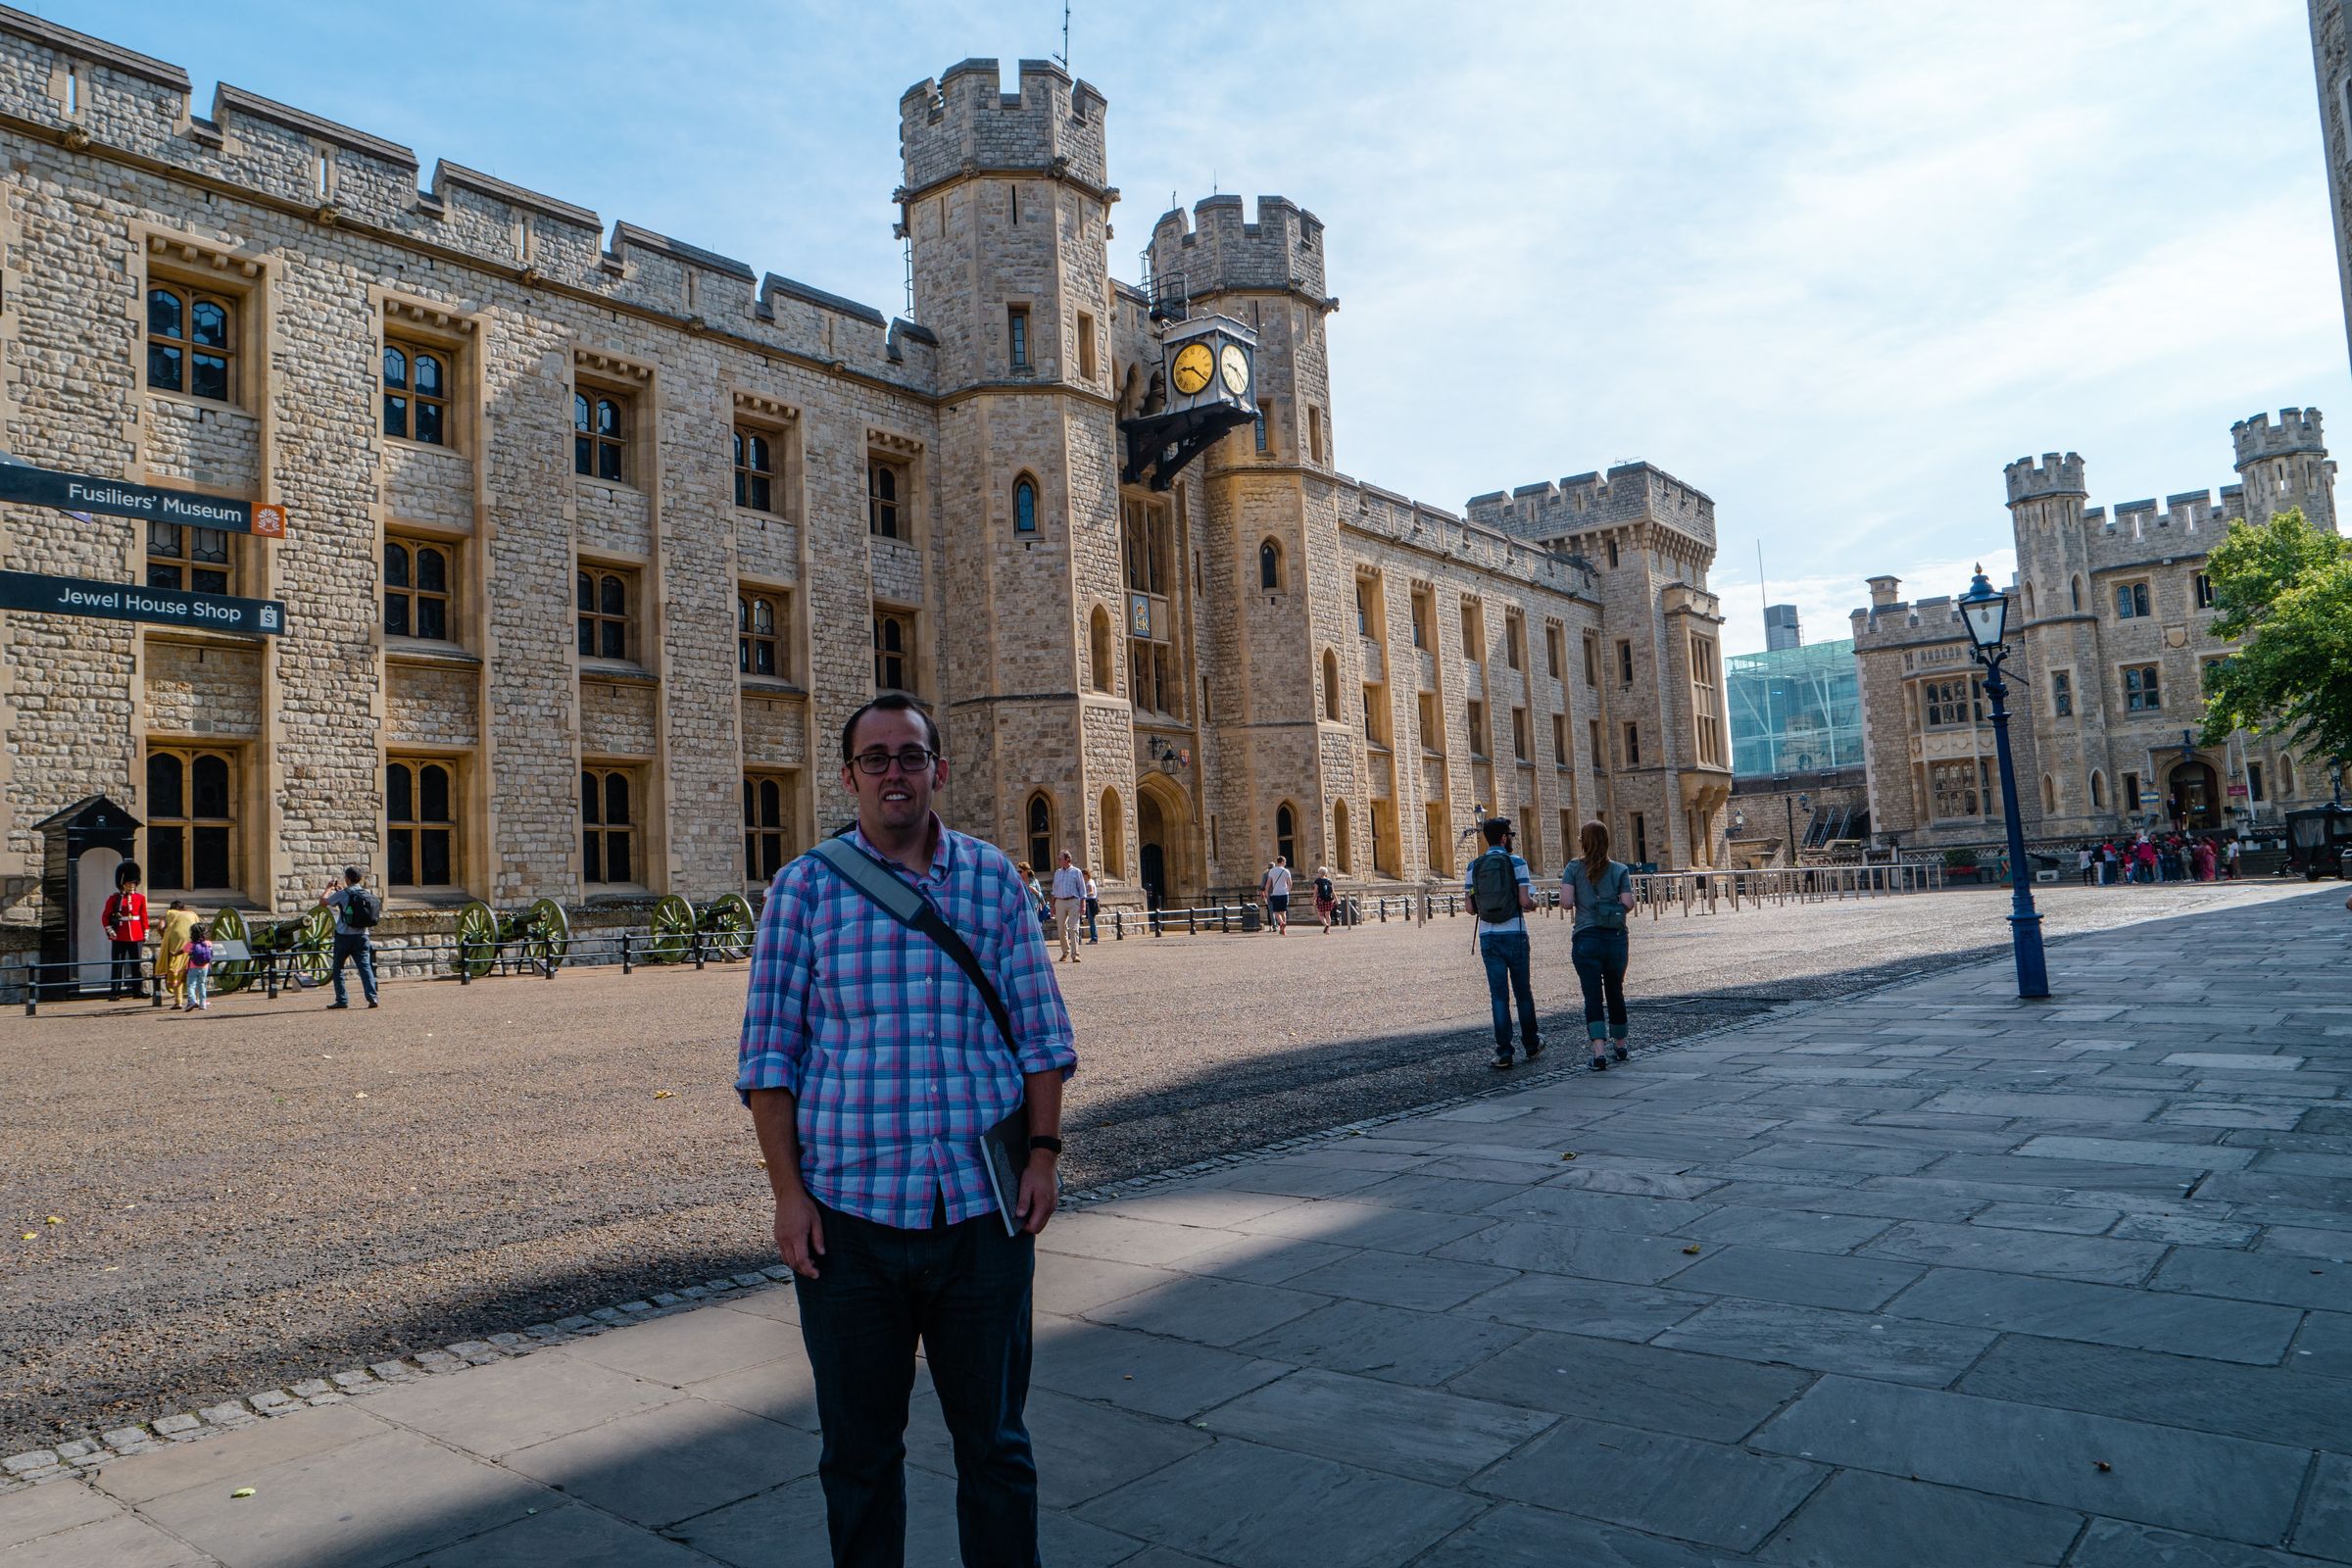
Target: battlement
x: 1632, y: 492
x: 2053, y: 475
x: 1370, y: 510
x: 288, y: 157
x: 2297, y: 431
x: 1215, y: 247
x: 964, y: 122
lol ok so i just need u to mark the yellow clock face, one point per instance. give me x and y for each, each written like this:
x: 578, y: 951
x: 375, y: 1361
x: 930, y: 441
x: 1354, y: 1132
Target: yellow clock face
x: 1194, y: 366
x: 1234, y: 365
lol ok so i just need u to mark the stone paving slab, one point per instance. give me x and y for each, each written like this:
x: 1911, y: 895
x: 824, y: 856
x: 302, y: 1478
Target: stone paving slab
x: 1923, y: 1277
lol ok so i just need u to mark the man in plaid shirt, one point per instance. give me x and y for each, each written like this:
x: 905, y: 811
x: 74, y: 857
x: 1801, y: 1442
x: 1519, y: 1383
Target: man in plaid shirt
x: 872, y: 1068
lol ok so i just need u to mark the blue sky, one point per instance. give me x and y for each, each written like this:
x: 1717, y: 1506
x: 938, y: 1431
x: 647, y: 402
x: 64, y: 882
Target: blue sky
x: 1833, y: 263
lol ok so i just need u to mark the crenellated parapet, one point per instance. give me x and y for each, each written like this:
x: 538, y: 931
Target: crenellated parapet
x: 964, y: 122
x: 2053, y: 475
x: 98, y: 99
x: 1630, y: 493
x: 1216, y: 249
x: 2297, y: 432
x: 1416, y: 525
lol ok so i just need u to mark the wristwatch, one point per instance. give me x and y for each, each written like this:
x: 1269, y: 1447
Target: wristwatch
x: 1052, y: 1145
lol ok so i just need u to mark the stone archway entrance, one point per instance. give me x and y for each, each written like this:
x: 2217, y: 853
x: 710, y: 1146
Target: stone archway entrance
x: 2195, y: 797
x: 1163, y: 824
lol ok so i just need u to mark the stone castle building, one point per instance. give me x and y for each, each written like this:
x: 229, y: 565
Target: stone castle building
x: 596, y: 538
x: 2110, y: 629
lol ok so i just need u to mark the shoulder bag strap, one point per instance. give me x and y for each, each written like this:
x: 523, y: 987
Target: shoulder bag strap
x: 911, y: 909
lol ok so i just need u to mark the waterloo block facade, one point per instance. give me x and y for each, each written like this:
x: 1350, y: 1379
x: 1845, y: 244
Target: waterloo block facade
x: 2111, y: 629
x: 597, y: 539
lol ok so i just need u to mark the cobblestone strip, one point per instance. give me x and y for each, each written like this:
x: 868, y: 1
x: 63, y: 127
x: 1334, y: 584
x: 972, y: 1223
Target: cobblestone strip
x: 85, y: 1455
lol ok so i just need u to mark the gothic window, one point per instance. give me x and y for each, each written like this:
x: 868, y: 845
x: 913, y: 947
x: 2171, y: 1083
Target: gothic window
x: 2062, y: 693
x: 1625, y: 662
x: 416, y: 393
x: 1956, y: 700
x: 2131, y: 600
x: 603, y: 596
x: 755, y: 470
x: 421, y: 826
x: 1331, y: 686
x: 192, y: 818
x: 1040, y: 827
x: 2098, y: 791
x: 2076, y: 594
x: 600, y: 435
x: 2201, y: 587
x: 1474, y: 719
x: 191, y: 342
x: 1955, y: 789
x: 1632, y: 746
x: 886, y: 499
x: 1269, y: 565
x: 1098, y: 648
x: 1024, y: 504
x: 759, y: 634
x: 767, y: 825
x: 1285, y: 834
x: 1342, y: 854
x: 1114, y: 835
x: 181, y: 555
x: 2140, y: 692
x: 607, y: 828
x: 417, y: 589
x: 894, y: 651
x: 1017, y: 335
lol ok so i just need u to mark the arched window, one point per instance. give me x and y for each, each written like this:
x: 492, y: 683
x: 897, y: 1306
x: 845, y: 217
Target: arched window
x: 599, y: 435
x: 415, y: 393
x: 419, y: 827
x: 1342, y: 852
x: 1114, y: 835
x: 2286, y: 778
x: 2049, y: 794
x: 606, y: 826
x: 758, y: 640
x: 893, y: 652
x: 1024, y: 506
x: 191, y: 821
x: 1330, y: 685
x: 1269, y: 565
x: 604, y: 615
x: 191, y: 343
x: 765, y: 825
x: 755, y: 471
x: 1039, y: 825
x: 2077, y: 594
x: 1099, y: 656
x: 2098, y: 791
x: 417, y: 589
x: 2029, y: 601
x: 1285, y: 834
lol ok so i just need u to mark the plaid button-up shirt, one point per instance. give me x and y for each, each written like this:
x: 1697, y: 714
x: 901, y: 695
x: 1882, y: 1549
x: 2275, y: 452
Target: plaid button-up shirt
x: 885, y: 1044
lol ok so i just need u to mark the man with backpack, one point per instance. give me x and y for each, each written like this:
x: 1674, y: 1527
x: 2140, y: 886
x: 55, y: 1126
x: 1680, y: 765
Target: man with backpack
x: 1502, y: 892
x: 357, y: 910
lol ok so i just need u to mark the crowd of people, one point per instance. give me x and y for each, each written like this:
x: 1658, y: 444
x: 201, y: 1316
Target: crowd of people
x: 2163, y: 857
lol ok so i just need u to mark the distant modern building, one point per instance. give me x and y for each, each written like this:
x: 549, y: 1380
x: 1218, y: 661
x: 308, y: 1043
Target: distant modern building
x: 1795, y: 709
x: 1779, y: 628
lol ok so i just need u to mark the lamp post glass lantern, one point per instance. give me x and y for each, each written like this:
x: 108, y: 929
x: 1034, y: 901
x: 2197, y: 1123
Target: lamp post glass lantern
x: 1986, y: 613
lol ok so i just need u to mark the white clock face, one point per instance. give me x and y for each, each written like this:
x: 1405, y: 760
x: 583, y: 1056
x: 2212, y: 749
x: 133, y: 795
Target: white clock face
x: 1234, y: 365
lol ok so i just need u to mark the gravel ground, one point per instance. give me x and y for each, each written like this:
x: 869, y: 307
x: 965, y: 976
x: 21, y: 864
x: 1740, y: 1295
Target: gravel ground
x: 272, y: 1192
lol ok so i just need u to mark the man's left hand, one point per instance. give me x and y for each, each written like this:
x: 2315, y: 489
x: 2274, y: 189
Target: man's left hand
x: 1041, y: 1192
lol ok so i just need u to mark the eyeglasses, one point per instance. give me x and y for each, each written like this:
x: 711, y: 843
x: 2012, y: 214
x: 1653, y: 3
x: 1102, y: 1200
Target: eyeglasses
x: 911, y: 760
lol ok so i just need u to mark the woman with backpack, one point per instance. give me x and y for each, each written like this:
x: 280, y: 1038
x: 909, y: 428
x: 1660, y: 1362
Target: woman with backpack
x: 1603, y: 891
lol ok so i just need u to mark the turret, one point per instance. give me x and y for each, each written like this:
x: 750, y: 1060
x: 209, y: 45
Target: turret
x: 1218, y: 251
x: 2285, y: 465
x: 2053, y: 475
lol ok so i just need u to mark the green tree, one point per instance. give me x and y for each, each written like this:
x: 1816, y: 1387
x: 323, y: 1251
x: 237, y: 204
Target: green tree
x: 2284, y: 590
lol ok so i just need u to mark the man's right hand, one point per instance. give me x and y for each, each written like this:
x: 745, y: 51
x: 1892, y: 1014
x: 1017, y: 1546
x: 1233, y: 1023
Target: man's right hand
x: 800, y: 1231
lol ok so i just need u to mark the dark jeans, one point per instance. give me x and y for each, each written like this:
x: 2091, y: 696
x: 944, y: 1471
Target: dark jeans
x: 1505, y: 956
x: 354, y: 948
x: 128, y: 957
x: 1094, y: 912
x: 1599, y: 959
x: 963, y: 1292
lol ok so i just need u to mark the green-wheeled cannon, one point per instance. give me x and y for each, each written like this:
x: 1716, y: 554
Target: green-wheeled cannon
x: 536, y: 936
x: 723, y: 927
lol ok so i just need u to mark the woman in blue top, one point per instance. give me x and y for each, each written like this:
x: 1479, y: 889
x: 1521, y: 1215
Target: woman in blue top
x: 1603, y: 890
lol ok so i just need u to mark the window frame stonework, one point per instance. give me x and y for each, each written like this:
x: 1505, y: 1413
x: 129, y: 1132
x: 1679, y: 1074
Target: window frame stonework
x: 1952, y: 702
x: 2132, y: 600
x: 207, y: 573
x: 752, y: 641
x: 187, y: 823
x: 593, y: 447
x: 765, y: 841
x: 415, y: 833
x: 2062, y: 693
x: 1038, y: 835
x: 188, y: 297
x: 411, y: 594
x: 2142, y: 686
x: 595, y: 620
x: 887, y: 619
x: 756, y: 485
x: 889, y: 517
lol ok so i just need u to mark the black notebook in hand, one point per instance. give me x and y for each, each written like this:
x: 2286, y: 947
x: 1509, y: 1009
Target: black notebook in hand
x: 1005, y: 1154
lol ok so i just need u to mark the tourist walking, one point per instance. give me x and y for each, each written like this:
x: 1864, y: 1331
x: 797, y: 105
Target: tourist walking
x: 1603, y: 891
x: 199, y: 976
x: 1502, y: 892
x: 1275, y: 888
x: 1094, y: 911
x: 1069, y: 904
x: 2230, y: 858
x: 171, y: 952
x: 2107, y: 863
x: 356, y: 912
x: 877, y: 1057
x: 124, y: 921
x: 1326, y: 897
x: 2085, y: 862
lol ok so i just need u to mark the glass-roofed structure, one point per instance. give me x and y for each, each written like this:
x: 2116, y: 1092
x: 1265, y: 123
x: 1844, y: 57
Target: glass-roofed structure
x: 1795, y: 709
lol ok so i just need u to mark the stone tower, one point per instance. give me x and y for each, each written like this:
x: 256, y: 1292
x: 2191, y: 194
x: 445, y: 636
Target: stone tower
x: 1006, y: 207
x: 1271, y: 719
x: 2058, y: 613
x: 2285, y: 464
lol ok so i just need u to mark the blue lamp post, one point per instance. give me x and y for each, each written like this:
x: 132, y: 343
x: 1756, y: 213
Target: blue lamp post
x: 1986, y: 613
